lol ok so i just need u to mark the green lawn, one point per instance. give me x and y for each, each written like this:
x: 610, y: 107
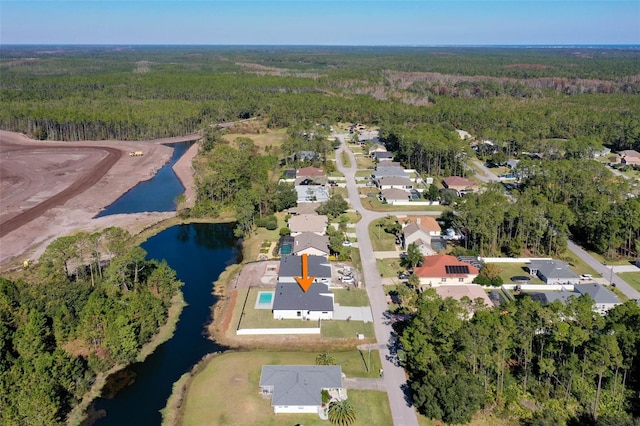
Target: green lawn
x: 225, y: 391
x: 262, y: 318
x: 364, y: 173
x: 346, y: 329
x: 631, y: 278
x: 376, y: 205
x: 389, y: 267
x: 380, y: 239
x: 509, y: 270
x: 363, y: 162
x: 351, y: 297
x: 273, y: 138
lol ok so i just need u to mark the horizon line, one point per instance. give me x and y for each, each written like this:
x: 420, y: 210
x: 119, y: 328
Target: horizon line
x: 583, y: 45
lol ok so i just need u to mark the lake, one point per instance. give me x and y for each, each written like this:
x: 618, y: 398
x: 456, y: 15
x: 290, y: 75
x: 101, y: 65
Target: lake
x: 198, y: 253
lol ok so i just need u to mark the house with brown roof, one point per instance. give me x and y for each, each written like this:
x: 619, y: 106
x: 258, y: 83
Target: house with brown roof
x: 309, y: 172
x: 460, y: 184
x: 393, y: 195
x: 629, y: 157
x: 315, y: 223
x: 311, y: 244
x: 466, y: 293
x: 420, y: 231
x: 443, y: 269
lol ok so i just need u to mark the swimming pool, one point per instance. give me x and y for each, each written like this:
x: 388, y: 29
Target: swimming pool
x: 264, y: 300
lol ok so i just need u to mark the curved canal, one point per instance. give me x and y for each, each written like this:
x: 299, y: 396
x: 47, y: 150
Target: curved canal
x: 157, y: 194
x: 198, y: 253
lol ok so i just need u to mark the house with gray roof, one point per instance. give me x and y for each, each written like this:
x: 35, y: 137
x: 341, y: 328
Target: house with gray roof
x: 291, y: 267
x: 291, y: 302
x: 311, y: 244
x: 396, y: 171
x: 312, y: 193
x: 389, y: 182
x: 553, y: 272
x: 603, y: 298
x: 382, y: 156
x: 298, y: 388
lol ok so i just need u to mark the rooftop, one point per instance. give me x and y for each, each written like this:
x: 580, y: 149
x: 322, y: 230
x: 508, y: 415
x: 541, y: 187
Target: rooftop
x: 310, y: 240
x: 598, y: 293
x: 318, y: 266
x: 300, y: 385
x: 395, y: 194
x: 444, y: 265
x: 291, y: 297
x: 308, y: 223
x: 309, y: 171
x: 458, y: 181
x: 555, y: 269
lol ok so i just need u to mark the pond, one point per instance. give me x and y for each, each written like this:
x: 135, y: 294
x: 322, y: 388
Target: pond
x: 198, y: 253
x: 157, y: 194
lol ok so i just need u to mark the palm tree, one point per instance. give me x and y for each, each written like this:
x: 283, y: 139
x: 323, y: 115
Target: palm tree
x: 414, y: 256
x: 325, y: 359
x: 342, y: 412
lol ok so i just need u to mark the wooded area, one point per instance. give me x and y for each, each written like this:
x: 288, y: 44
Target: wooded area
x: 545, y: 365
x: 91, y: 303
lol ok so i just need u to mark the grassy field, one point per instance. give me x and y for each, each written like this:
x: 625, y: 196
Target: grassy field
x: 251, y: 246
x: 346, y: 329
x: 225, y: 391
x: 346, y: 161
x: 351, y: 297
x: 377, y: 206
x: 578, y: 266
x: 631, y: 278
x: 273, y: 138
x: 363, y: 162
x: 364, y: 173
x: 381, y: 240
x: 389, y: 267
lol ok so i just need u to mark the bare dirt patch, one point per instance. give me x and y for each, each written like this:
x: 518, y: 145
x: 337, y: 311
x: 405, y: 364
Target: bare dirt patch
x: 50, y: 189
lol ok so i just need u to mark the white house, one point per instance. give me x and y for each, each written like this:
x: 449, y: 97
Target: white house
x: 393, y: 195
x: 389, y: 182
x: 291, y: 302
x: 443, y: 269
x: 553, y: 272
x: 298, y: 388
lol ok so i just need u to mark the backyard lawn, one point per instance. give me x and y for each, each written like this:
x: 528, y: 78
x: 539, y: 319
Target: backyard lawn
x: 509, y: 270
x: 226, y: 392
x: 389, y: 267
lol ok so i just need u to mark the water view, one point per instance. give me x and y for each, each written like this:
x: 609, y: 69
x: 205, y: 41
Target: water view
x: 198, y: 253
x: 157, y: 194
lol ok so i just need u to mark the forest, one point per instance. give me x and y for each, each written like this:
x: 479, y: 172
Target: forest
x: 91, y: 302
x: 543, y: 365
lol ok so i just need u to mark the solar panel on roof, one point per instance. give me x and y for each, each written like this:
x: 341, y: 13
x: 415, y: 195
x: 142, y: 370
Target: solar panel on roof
x: 456, y: 269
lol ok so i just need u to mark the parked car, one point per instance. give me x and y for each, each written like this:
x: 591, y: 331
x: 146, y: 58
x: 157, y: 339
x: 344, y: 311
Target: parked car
x: 370, y: 184
x: 586, y: 277
x: 347, y: 243
x: 403, y: 276
x: 347, y: 279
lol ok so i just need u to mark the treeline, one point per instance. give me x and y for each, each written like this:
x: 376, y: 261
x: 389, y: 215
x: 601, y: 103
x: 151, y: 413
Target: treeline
x: 145, y: 93
x: 544, y: 365
x: 90, y: 303
x: 576, y: 198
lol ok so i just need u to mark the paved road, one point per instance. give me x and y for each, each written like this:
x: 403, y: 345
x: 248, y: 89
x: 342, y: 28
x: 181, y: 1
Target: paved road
x: 604, y: 270
x: 395, y: 381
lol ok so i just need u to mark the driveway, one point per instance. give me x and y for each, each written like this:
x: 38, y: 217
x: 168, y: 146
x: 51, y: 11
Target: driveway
x: 352, y: 313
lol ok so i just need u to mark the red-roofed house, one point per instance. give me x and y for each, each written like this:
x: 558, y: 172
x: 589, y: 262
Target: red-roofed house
x: 459, y: 184
x: 443, y: 269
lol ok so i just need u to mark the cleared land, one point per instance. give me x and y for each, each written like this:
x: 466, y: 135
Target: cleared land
x: 238, y: 374
x: 50, y: 189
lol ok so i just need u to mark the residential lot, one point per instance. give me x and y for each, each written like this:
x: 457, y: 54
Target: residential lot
x: 240, y: 402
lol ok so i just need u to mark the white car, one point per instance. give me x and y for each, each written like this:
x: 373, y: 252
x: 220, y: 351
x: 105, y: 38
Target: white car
x: 347, y: 243
x: 586, y: 277
x: 347, y: 279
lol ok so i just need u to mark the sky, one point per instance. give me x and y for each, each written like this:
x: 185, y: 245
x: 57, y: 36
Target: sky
x: 320, y: 22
